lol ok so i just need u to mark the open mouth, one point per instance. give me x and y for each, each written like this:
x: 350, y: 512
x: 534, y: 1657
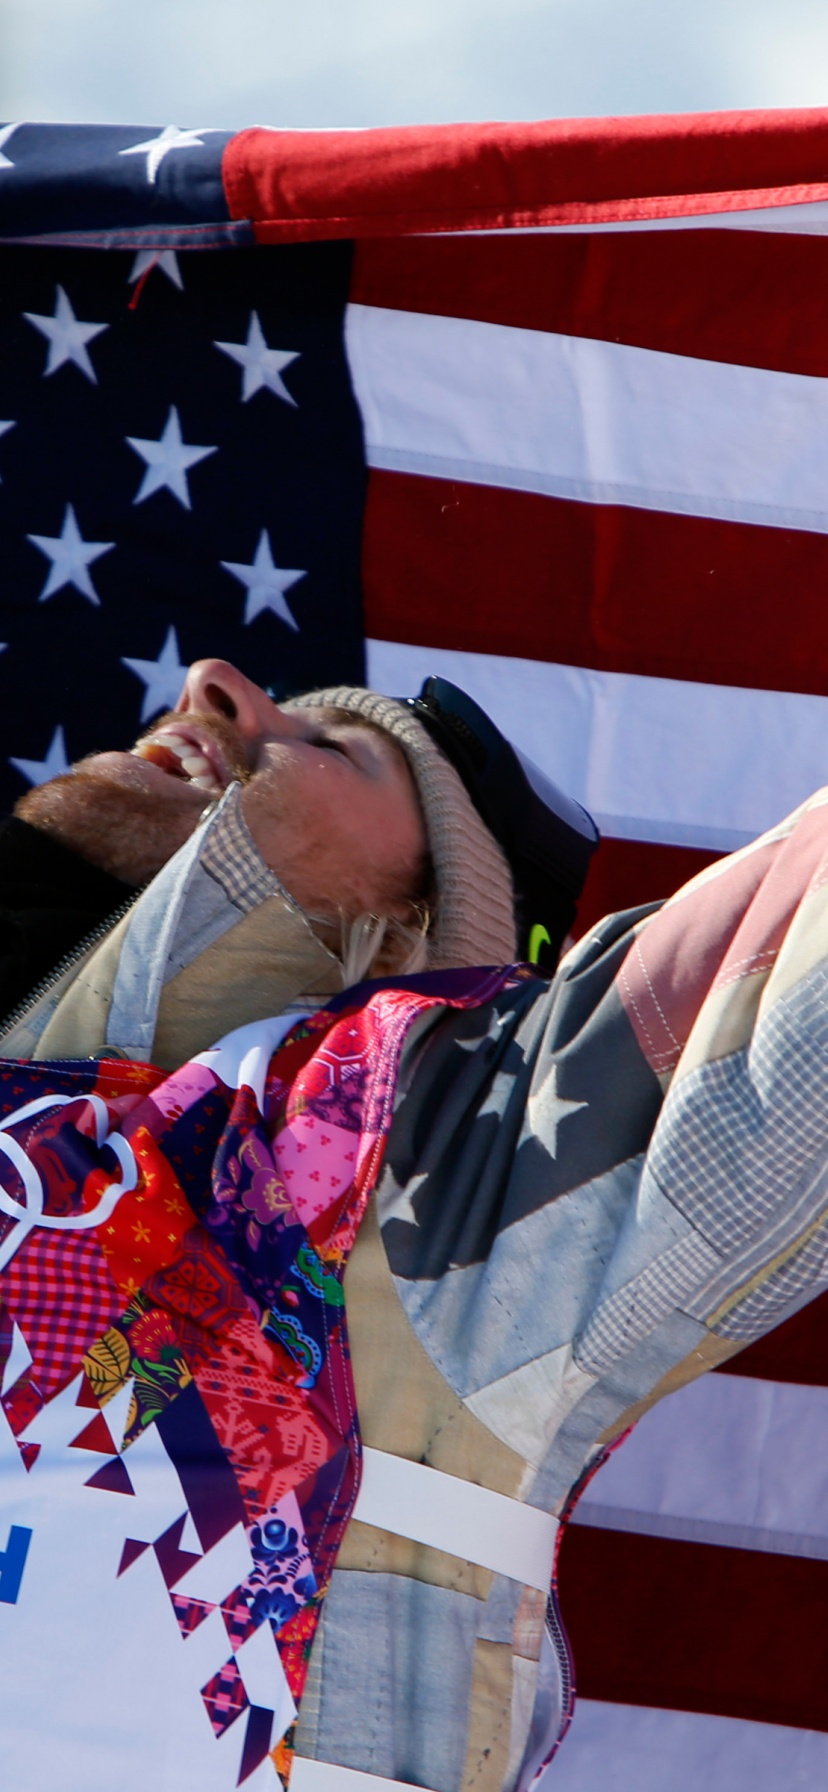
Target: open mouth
x: 182, y: 756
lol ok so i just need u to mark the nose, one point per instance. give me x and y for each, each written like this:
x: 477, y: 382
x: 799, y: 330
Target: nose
x: 215, y: 687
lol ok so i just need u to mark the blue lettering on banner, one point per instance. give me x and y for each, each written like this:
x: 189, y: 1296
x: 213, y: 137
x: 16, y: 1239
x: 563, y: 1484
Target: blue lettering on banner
x: 13, y: 1562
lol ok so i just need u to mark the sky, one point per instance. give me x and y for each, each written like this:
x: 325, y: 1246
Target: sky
x: 306, y: 63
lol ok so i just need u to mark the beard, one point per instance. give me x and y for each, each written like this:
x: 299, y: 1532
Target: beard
x: 114, y: 819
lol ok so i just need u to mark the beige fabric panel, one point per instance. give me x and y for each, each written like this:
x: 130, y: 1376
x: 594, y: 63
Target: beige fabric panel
x: 802, y: 945
x: 707, y: 1355
x: 77, y: 1028
x: 268, y: 960
x: 725, y: 1023
x: 21, y: 1040
x: 490, y: 1719
x: 372, y: 1551
x: 413, y: 1413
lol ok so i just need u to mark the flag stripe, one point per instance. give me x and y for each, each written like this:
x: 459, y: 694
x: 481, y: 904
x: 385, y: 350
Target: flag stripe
x: 649, y: 291
x: 624, y: 873
x: 461, y: 177
x: 797, y: 1350
x: 602, y: 422
x: 456, y: 565
x: 620, y: 1747
x: 808, y: 217
x: 690, y: 1626
x: 725, y: 1460
x: 653, y: 759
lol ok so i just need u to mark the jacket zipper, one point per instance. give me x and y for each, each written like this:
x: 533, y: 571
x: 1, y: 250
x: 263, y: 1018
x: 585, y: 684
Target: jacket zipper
x: 73, y: 957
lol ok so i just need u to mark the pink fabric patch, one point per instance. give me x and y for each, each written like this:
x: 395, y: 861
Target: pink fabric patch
x: 707, y: 938
x: 317, y: 1161
x: 182, y: 1089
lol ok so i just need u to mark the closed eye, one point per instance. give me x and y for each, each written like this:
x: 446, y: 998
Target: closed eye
x: 335, y: 746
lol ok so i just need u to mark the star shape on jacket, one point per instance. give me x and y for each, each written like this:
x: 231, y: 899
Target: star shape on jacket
x: 71, y: 558
x: 261, y: 366
x: 156, y: 148
x: 6, y: 133
x: 67, y: 337
x: 546, y: 1110
x: 165, y: 260
x: 266, y: 583
x: 40, y: 771
x: 168, y: 461
x: 163, y: 677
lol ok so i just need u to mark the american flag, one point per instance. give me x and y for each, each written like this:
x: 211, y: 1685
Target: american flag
x: 553, y: 399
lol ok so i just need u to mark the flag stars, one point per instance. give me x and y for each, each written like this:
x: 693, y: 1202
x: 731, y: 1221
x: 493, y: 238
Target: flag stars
x: 6, y: 133
x: 546, y: 1110
x: 67, y: 337
x: 71, y: 559
x: 266, y: 583
x: 156, y: 148
x: 41, y: 771
x: 163, y: 678
x: 261, y: 366
x: 165, y: 260
x: 168, y: 461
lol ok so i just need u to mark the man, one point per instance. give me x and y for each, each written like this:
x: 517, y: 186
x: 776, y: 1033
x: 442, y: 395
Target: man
x: 264, y: 855
x: 333, y: 834
x: 553, y: 1242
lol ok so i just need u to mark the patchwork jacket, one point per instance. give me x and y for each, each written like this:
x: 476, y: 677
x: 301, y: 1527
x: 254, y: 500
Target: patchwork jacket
x: 591, y: 1192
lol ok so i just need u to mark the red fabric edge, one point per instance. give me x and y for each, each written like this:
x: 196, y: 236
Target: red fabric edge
x: 300, y: 184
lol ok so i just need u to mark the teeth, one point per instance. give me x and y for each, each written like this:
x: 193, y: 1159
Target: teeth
x: 193, y: 763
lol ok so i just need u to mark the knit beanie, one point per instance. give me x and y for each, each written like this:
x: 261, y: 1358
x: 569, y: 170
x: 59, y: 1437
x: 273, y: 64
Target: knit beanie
x: 475, y: 920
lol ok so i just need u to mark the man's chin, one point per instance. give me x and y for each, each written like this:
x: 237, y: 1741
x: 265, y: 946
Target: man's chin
x: 114, y: 816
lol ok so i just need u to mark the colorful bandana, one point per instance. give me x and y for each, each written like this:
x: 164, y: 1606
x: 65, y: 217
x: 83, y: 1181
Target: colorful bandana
x: 179, y: 1446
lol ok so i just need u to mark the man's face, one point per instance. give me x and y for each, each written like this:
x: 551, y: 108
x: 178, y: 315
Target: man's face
x: 331, y: 803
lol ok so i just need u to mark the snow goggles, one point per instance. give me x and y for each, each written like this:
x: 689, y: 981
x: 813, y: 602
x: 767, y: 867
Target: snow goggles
x: 547, y: 838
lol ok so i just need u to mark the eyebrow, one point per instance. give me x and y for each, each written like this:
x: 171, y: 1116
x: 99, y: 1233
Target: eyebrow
x: 332, y: 715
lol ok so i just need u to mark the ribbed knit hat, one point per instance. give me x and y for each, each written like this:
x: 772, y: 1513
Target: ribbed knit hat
x: 475, y: 920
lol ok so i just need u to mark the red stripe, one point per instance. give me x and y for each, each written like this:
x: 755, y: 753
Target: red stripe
x: 796, y: 1351
x: 624, y: 873
x: 692, y: 1627
x: 721, y: 295
x: 502, y: 572
x: 449, y: 177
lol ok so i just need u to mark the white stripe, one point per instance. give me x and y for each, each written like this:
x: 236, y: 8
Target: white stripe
x: 444, y: 1512
x: 808, y: 219
x: 596, y: 421
x: 651, y: 758
x: 323, y: 1776
x: 619, y: 1748
x: 728, y: 1460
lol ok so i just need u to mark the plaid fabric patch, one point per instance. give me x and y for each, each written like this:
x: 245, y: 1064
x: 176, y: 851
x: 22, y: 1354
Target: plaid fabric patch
x: 59, y: 1290
x: 740, y: 1133
x: 628, y: 1316
x: 804, y: 1274
x: 231, y: 856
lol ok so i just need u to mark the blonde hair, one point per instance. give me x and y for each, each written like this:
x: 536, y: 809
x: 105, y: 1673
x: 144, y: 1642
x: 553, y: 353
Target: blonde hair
x: 381, y: 946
